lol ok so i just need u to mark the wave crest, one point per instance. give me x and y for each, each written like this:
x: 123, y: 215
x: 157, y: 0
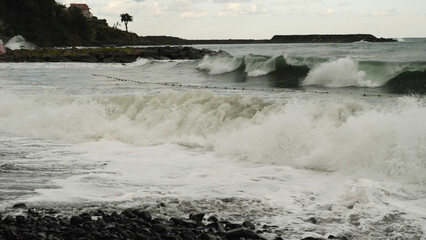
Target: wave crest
x: 342, y: 72
x: 349, y: 136
x: 284, y: 71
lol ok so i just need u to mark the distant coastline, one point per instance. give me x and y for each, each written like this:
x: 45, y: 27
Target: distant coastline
x: 110, y: 53
x: 311, y: 38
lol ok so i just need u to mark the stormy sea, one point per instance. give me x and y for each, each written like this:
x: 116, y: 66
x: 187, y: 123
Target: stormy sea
x: 315, y: 139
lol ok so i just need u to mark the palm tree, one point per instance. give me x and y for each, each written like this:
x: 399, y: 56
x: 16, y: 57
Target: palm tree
x: 125, y: 17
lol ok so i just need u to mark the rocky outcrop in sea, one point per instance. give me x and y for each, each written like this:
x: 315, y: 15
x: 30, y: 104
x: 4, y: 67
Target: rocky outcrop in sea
x: 104, y: 55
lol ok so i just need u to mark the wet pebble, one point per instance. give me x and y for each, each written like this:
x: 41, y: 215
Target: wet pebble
x: 129, y: 224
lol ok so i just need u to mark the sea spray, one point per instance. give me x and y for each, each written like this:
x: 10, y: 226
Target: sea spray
x: 19, y: 42
x: 339, y: 73
x: 219, y: 64
x: 349, y: 136
x: 259, y: 65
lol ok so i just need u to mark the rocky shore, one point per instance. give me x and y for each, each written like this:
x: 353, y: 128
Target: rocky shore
x: 103, y: 55
x: 129, y: 224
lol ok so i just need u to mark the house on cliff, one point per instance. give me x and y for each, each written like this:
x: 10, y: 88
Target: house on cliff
x: 85, y: 10
x: 2, y: 49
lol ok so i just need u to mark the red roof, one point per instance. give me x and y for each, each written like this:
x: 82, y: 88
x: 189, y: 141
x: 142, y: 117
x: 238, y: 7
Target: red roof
x: 80, y: 5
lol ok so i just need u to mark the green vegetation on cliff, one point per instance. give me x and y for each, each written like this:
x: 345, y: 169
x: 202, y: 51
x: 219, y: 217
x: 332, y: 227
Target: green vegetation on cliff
x: 47, y: 23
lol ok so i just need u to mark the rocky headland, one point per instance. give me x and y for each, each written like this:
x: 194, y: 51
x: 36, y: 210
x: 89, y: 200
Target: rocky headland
x: 104, y: 55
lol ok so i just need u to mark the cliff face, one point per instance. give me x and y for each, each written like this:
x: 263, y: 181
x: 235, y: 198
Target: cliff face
x: 47, y: 23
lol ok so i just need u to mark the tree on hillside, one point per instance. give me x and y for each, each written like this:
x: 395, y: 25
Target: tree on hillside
x: 126, y: 18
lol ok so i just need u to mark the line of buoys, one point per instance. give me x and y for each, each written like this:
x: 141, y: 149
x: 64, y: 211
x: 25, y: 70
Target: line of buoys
x: 215, y: 87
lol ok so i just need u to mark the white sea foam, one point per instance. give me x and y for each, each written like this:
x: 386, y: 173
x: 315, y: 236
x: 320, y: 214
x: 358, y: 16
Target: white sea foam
x: 219, y: 64
x: 142, y: 177
x: 19, y: 42
x: 259, y: 65
x: 139, y: 62
x: 342, y: 72
x: 348, y: 136
x: 254, y: 65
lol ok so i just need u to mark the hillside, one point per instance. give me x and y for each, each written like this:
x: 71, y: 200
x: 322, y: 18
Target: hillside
x: 47, y: 23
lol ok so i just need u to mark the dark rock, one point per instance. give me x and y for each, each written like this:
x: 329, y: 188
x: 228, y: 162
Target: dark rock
x: 20, y: 219
x: 120, y: 226
x: 218, y: 226
x: 207, y: 236
x: 8, y: 219
x: 160, y: 228
x: 312, y: 238
x: 75, y: 220
x: 189, y: 223
x: 188, y: 235
x: 169, y: 237
x: 111, y: 60
x: 163, y: 58
x: 176, y: 221
x: 197, y: 217
x: 312, y: 220
x: 249, y: 225
x: 145, y: 215
x: 213, y: 219
x: 86, y: 217
x: 99, y: 213
x: 105, y: 55
x: 338, y: 238
x: 57, y: 59
x: 32, y: 212
x: 42, y: 235
x: 129, y: 214
x: 78, y: 232
x: 11, y: 234
x: 157, y: 221
x: 41, y: 228
x: 141, y: 237
x: 20, y: 205
x: 123, y: 233
x: 241, y: 233
x: 233, y: 226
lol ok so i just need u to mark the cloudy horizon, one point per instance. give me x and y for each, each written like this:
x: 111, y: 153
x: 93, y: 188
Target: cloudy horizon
x: 255, y: 19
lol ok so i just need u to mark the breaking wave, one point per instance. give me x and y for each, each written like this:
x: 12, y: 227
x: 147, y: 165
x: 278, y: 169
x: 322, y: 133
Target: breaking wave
x: 294, y: 72
x: 349, y: 136
x: 19, y: 42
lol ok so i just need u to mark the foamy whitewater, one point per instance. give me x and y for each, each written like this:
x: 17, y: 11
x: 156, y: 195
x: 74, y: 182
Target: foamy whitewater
x: 318, y: 139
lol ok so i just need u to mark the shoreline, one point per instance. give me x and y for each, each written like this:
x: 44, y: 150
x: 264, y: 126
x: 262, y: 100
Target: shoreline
x: 104, y: 55
x: 30, y: 223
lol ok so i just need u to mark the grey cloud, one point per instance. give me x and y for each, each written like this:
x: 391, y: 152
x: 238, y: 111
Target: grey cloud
x: 230, y: 1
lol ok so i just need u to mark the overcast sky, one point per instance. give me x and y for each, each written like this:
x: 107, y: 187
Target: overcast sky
x: 261, y: 19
